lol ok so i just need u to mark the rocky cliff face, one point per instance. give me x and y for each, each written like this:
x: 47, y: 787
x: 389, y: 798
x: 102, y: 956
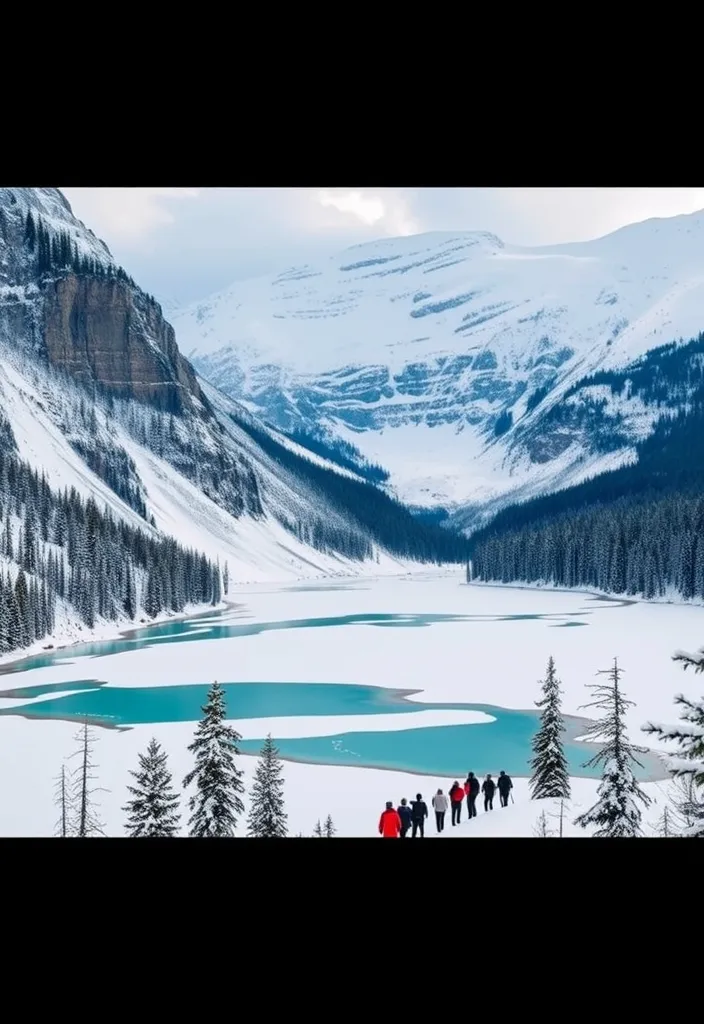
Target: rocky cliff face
x: 68, y: 301
x: 108, y: 332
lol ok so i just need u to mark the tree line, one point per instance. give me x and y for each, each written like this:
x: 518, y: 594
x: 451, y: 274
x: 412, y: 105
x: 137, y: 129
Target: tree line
x: 632, y: 547
x: 57, y: 251
x: 63, y: 553
x: 341, y: 452
x: 215, y: 805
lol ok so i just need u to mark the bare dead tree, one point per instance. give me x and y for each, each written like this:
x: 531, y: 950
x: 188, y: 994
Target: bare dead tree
x: 62, y: 799
x: 687, y: 810
x: 559, y: 816
x: 87, y: 822
x: 542, y: 830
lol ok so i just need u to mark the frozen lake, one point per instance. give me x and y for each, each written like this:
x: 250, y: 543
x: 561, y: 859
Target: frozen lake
x: 423, y: 675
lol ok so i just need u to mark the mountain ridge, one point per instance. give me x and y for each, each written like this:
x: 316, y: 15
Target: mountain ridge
x: 436, y: 356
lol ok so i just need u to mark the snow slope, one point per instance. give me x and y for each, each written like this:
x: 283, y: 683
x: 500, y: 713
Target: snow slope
x: 411, y: 348
x: 256, y: 550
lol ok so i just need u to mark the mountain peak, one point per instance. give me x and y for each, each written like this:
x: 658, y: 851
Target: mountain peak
x: 52, y: 207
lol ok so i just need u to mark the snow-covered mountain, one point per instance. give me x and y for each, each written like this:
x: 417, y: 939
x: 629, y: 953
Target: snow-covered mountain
x: 442, y: 356
x: 95, y: 395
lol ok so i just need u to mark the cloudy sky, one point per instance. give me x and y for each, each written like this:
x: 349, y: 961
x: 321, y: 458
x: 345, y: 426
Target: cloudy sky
x: 182, y: 244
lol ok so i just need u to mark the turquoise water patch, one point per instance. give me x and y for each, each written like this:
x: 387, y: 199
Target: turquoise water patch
x: 75, y: 685
x: 211, y: 627
x: 504, y: 743
x: 448, y: 751
x: 145, y: 705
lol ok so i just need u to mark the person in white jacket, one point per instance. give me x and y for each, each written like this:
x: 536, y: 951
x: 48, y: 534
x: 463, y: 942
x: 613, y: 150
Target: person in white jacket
x: 440, y: 805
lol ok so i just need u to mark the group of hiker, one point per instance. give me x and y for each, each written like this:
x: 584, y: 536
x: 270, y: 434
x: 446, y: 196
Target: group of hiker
x: 397, y: 823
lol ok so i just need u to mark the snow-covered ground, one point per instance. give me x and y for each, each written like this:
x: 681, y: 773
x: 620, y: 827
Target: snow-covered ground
x: 521, y: 817
x: 483, y: 661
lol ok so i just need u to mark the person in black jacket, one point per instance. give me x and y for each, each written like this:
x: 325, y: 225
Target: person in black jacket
x: 419, y: 812
x: 488, y: 789
x: 471, y: 788
x: 504, y: 786
x: 404, y: 813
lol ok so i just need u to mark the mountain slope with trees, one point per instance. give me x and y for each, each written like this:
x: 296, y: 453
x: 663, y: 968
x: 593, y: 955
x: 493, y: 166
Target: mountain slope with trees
x: 637, y: 530
x: 100, y: 399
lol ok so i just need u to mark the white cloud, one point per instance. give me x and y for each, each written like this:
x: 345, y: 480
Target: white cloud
x: 127, y: 214
x: 369, y: 211
x: 184, y: 243
x: 382, y: 208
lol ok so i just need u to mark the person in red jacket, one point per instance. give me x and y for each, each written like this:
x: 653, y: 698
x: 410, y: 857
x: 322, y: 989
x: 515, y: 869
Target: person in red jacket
x: 390, y: 823
x: 456, y: 798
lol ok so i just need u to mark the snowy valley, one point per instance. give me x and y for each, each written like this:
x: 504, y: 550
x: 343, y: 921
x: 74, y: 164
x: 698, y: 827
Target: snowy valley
x: 241, y: 518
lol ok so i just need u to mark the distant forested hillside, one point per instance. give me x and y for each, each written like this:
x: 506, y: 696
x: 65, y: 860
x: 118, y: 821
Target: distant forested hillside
x: 62, y: 556
x: 635, y: 530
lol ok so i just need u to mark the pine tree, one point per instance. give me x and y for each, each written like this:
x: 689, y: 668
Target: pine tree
x: 616, y: 813
x: 550, y: 772
x: 129, y: 603
x: 267, y: 818
x: 153, y: 809
x: 86, y: 821
x: 219, y: 783
x: 689, y: 736
x: 318, y: 830
x: 226, y: 578
x: 329, y: 829
x: 30, y: 234
x: 23, y: 608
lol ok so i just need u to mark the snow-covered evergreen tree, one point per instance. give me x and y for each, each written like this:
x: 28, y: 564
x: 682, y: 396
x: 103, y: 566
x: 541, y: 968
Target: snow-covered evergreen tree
x: 616, y: 812
x: 267, y: 817
x: 688, y: 734
x: 549, y: 765
x: 329, y: 829
x: 217, y: 802
x: 153, y: 809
